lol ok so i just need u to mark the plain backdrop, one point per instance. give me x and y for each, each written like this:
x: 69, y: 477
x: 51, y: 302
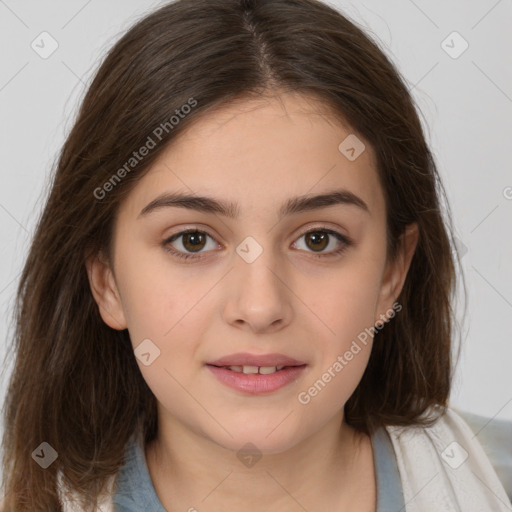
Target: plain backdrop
x: 462, y: 84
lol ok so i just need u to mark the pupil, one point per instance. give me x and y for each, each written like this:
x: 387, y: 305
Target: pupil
x: 316, y: 237
x: 196, y: 240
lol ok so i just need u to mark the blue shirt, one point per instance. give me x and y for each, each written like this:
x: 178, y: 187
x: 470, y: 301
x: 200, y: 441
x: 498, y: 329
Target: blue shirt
x: 135, y: 491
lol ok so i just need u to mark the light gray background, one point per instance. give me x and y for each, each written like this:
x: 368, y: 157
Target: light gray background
x: 467, y: 111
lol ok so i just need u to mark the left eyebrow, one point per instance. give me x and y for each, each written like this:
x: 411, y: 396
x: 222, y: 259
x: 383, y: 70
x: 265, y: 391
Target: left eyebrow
x: 231, y: 210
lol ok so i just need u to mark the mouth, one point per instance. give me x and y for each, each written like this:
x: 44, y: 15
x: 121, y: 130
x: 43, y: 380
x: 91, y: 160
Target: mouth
x: 246, y: 359
x: 257, y: 380
x: 251, y: 370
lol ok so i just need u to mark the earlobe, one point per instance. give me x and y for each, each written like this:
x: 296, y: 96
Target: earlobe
x: 396, y: 271
x: 105, y: 292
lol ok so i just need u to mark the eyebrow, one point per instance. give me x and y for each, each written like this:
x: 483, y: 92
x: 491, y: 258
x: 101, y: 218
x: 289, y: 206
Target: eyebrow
x: 228, y: 209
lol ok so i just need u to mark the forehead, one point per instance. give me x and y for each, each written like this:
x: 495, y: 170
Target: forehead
x: 259, y: 152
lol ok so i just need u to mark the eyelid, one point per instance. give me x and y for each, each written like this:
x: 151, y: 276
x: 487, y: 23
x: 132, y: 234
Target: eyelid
x: 199, y: 228
x: 328, y: 229
x: 345, y: 240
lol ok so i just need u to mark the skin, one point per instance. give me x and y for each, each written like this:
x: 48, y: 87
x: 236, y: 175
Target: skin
x: 258, y: 153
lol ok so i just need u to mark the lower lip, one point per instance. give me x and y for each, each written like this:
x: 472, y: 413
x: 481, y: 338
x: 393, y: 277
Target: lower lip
x: 255, y: 383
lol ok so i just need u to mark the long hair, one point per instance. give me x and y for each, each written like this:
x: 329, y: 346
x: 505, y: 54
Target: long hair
x: 75, y: 382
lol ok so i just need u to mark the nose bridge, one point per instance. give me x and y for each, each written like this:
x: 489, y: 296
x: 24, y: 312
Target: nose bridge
x: 258, y: 295
x: 257, y: 262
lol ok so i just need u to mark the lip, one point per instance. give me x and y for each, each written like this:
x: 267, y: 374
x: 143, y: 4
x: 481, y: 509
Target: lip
x: 246, y: 359
x: 255, y: 383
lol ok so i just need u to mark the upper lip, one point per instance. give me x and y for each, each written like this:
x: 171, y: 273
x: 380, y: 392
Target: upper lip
x: 246, y: 359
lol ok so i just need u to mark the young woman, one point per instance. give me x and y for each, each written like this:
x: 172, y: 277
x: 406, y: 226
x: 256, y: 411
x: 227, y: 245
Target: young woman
x: 239, y: 291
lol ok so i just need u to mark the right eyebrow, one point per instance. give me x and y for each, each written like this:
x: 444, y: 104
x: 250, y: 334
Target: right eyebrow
x: 231, y: 210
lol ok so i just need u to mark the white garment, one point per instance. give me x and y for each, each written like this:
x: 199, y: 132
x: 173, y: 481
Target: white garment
x: 445, y: 469
x: 442, y: 468
x: 69, y: 503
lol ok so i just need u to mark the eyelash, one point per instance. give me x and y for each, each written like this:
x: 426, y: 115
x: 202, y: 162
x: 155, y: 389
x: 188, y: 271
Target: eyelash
x: 346, y: 243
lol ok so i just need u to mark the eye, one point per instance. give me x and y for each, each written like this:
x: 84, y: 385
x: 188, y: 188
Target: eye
x: 193, y: 241
x: 319, y: 238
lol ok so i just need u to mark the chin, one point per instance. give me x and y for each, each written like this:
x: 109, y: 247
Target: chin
x: 258, y: 441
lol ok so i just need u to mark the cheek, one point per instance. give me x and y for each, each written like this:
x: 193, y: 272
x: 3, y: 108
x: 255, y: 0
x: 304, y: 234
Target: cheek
x: 347, y: 311
x: 156, y: 294
x: 344, y: 305
x: 328, y: 390
x: 345, y: 294
x: 345, y: 301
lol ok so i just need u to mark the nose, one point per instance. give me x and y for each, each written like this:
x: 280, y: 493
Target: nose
x: 258, y: 294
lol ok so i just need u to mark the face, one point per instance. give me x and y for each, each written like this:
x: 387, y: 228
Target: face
x: 303, y: 283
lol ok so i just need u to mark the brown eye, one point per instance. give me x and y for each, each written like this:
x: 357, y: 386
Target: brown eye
x: 194, y: 241
x: 317, y: 240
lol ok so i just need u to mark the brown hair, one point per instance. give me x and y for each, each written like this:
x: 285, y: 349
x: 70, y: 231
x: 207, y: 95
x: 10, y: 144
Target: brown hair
x: 75, y: 383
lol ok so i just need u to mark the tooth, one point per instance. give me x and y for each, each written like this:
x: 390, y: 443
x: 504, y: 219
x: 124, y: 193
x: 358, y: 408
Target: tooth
x: 236, y: 368
x: 280, y: 367
x: 267, y: 369
x: 250, y: 369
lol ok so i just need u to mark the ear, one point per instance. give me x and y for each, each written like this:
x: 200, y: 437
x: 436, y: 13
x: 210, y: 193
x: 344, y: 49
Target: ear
x: 105, y: 292
x: 396, y: 271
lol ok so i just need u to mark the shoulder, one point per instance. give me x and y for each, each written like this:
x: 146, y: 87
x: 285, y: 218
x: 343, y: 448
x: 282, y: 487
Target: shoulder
x: 69, y: 499
x: 495, y: 436
x: 446, y: 464
x: 116, y: 483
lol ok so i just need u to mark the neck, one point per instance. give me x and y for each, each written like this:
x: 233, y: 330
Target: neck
x: 191, y: 470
